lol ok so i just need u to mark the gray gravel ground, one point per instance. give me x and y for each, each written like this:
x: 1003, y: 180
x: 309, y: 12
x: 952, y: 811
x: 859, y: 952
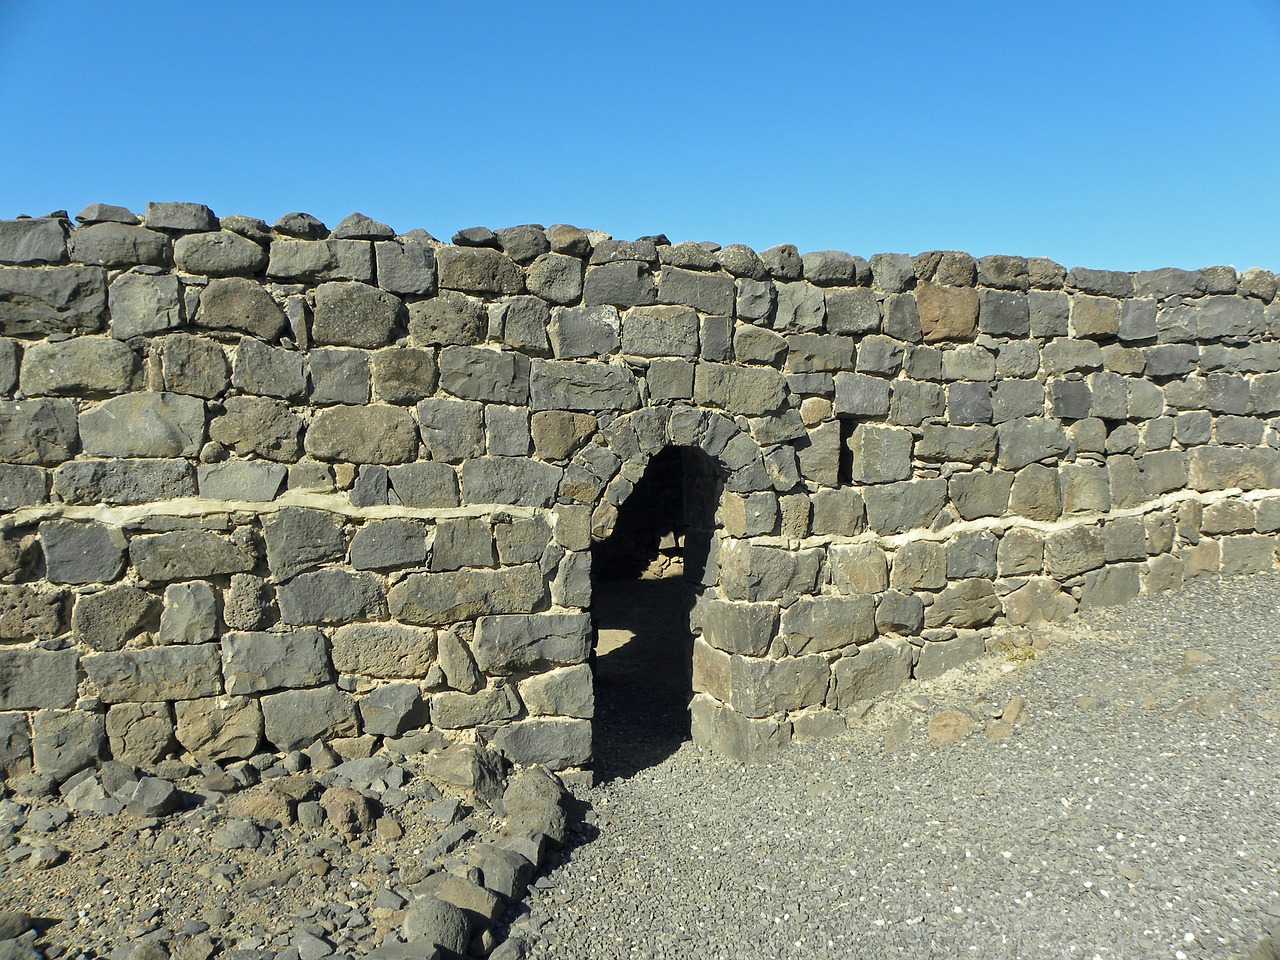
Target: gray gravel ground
x: 1133, y: 811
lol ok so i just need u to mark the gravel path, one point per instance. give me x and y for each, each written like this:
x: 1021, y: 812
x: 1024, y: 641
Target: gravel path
x: 1132, y: 811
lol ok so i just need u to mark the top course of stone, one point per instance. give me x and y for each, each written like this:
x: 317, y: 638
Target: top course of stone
x: 550, y: 264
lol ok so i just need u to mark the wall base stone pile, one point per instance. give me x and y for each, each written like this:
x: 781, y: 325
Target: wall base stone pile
x: 264, y: 485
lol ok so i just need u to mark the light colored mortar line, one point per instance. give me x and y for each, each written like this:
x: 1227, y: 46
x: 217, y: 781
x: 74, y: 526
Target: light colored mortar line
x: 126, y: 514
x: 1004, y: 524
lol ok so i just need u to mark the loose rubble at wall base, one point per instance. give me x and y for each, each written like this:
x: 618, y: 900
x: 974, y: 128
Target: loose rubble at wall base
x: 279, y: 491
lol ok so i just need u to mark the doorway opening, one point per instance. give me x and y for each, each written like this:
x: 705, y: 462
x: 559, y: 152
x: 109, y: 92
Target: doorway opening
x: 646, y: 576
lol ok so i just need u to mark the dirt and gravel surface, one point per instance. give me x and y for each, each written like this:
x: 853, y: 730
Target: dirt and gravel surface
x: 1107, y: 788
x: 293, y: 865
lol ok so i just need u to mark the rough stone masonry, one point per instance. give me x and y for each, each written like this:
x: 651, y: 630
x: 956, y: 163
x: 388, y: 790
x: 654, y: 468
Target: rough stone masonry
x: 268, y: 485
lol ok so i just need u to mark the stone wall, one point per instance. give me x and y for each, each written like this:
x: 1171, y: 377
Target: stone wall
x: 268, y: 485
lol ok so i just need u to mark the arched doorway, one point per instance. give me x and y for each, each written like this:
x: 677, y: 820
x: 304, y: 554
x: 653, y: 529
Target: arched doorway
x: 646, y: 577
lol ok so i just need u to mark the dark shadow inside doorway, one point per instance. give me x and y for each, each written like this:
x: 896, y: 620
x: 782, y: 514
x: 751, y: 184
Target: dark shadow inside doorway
x: 645, y: 580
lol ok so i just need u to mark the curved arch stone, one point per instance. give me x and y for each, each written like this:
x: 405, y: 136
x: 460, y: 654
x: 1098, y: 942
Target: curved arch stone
x: 602, y: 473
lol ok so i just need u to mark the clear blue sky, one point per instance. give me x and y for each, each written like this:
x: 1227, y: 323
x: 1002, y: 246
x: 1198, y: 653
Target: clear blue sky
x: 1125, y: 134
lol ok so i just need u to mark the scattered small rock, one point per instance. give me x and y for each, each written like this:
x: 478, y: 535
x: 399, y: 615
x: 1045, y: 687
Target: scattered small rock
x: 349, y: 810
x: 896, y: 734
x: 432, y: 920
x: 1014, y: 710
x: 950, y: 726
x: 1216, y: 703
x: 45, y: 856
x: 1192, y: 659
x: 237, y: 835
x: 14, y: 923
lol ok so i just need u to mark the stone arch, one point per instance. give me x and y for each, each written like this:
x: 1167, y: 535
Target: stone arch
x: 604, y: 473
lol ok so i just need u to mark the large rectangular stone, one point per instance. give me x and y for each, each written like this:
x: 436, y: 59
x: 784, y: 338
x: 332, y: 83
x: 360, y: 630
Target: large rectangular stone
x: 144, y: 425
x: 321, y: 260
x: 257, y: 661
x: 666, y: 331
x: 267, y: 371
x: 219, y: 728
x: 49, y: 300
x: 821, y: 624
x: 978, y: 494
x: 387, y: 651
x: 879, y: 667
x: 1227, y: 316
x: 1222, y: 468
x: 425, y: 484
x: 880, y: 454
x: 124, y: 481
x: 250, y: 480
x: 948, y: 313
x: 754, y: 572
x: 514, y: 481
x: 721, y: 728
x: 589, y: 386
x: 1024, y: 441
x: 944, y: 443
x: 964, y: 605
x: 511, y: 644
x: 1114, y: 584
x: 478, y: 270
x: 554, y: 742
x: 363, y: 434
x: 838, y: 512
x: 28, y: 611
x: 156, y: 673
x: 747, y: 628
x: 37, y: 431
x: 853, y: 312
x: 238, y: 303
x: 330, y: 596
x: 81, y: 552
x: 937, y: 657
x: 1251, y: 553
x: 37, y: 679
x: 712, y: 293
x: 452, y: 430
x: 624, y: 283
x: 356, y: 315
x: 1073, y: 551
x: 762, y: 687
x: 563, y: 692
x: 33, y: 240
x: 478, y: 373
x: 444, y: 598
x: 94, y: 365
x: 1094, y: 318
x: 908, y: 505
x: 858, y: 568
x: 294, y: 719
x: 22, y: 486
x: 751, y: 391
x: 1004, y: 313
x: 189, y: 555
x: 1012, y: 399
x: 861, y: 395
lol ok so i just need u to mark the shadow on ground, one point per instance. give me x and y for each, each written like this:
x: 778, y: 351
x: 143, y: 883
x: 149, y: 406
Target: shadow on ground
x: 644, y: 666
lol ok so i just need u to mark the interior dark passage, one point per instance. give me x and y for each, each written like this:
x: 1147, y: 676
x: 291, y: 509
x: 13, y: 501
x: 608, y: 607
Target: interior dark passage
x: 645, y: 578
